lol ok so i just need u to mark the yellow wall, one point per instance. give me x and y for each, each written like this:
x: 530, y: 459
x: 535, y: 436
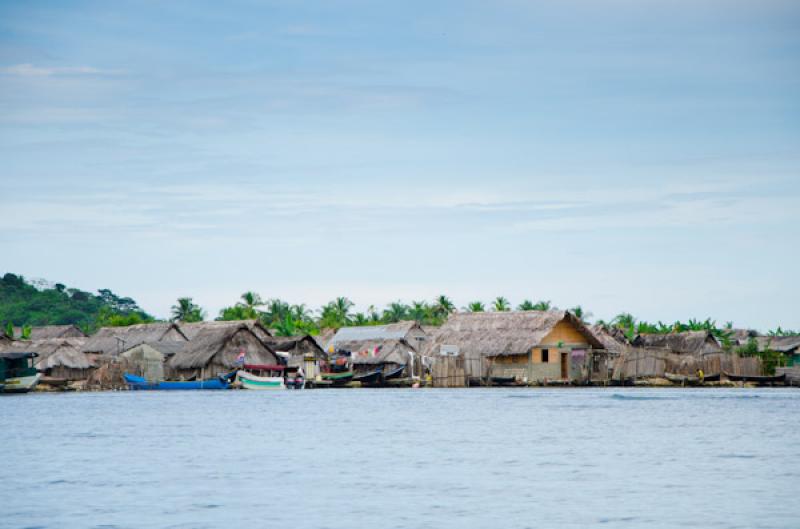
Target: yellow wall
x: 563, y: 332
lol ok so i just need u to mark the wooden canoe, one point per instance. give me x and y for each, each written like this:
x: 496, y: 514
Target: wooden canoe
x: 757, y: 379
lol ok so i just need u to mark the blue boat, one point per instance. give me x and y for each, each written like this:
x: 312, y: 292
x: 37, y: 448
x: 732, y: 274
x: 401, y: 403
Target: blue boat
x: 140, y: 383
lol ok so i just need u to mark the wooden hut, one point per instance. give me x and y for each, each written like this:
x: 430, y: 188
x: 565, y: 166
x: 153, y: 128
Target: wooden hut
x: 149, y: 359
x: 112, y: 341
x: 393, y: 345
x: 788, y: 345
x: 47, y: 332
x: 301, y: 351
x: 530, y: 346
x: 214, y: 349
x: 696, y: 343
x: 58, y: 358
x: 193, y: 329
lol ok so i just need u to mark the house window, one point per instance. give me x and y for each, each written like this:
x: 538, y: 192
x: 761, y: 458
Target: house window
x: 545, y: 356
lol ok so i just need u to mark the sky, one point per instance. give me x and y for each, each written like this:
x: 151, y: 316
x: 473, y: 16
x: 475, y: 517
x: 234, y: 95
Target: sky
x: 638, y: 156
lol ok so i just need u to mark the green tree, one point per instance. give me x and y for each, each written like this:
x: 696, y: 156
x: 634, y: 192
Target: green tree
x: 543, y: 305
x: 443, y: 307
x: 526, y: 305
x: 476, y: 306
x: 287, y: 327
x: 395, y: 312
x: 580, y: 313
x: 185, y: 310
x: 9, y: 330
x: 336, y: 313
x: 501, y: 304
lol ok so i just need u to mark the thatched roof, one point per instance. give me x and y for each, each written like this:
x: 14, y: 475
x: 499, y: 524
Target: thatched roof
x: 612, y: 338
x: 112, y: 340
x: 690, y: 342
x: 193, y: 329
x: 221, y: 344
x: 388, y: 351
x: 503, y: 333
x: 392, y: 331
x: 52, y: 331
x: 54, y: 352
x: 290, y: 344
x: 781, y: 344
x: 166, y: 348
x: 324, y: 338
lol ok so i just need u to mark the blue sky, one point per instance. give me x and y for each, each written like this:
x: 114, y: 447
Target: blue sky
x: 625, y: 156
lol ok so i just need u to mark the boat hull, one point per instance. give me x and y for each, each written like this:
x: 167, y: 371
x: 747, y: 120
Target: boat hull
x: 138, y: 383
x: 21, y: 384
x: 773, y: 379
x: 250, y: 381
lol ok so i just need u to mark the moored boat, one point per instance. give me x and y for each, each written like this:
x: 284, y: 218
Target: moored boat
x: 261, y: 377
x: 397, y: 372
x: 370, y: 378
x: 339, y: 378
x: 17, y: 373
x: 757, y: 379
x: 140, y: 383
x: 684, y: 380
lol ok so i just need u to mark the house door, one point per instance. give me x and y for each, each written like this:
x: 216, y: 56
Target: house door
x: 564, y: 366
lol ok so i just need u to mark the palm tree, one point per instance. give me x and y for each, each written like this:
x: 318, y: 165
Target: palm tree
x: 543, y: 305
x: 443, y: 306
x: 419, y: 311
x: 624, y: 320
x: 186, y: 311
x: 373, y: 316
x: 526, y: 305
x: 395, y: 312
x: 300, y: 312
x: 336, y: 313
x: 580, y: 313
x: 360, y: 319
x: 275, y: 310
x: 476, y: 306
x: 286, y: 327
x: 251, y: 300
x: 501, y: 304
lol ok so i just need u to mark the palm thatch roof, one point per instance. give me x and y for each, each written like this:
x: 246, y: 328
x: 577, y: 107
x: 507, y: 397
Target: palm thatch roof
x: 290, y: 344
x: 324, y: 338
x: 781, y: 344
x: 373, y: 352
x: 221, y: 344
x: 53, y: 352
x: 689, y: 342
x: 113, y: 340
x: 193, y: 329
x: 52, y: 331
x: 612, y: 338
x: 165, y: 348
x: 503, y: 333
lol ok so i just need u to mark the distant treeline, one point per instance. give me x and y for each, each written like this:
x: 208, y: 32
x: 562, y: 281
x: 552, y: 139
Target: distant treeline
x: 23, y: 304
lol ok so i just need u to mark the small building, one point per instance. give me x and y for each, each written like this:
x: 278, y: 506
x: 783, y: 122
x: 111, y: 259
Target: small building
x: 788, y: 345
x: 46, y: 332
x: 59, y: 358
x: 111, y: 341
x: 214, y: 350
x: 301, y: 351
x: 696, y: 343
x: 393, y: 344
x: 192, y: 329
x: 530, y: 346
x: 148, y: 359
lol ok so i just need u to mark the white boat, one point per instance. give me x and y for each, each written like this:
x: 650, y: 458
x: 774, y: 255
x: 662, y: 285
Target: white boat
x: 259, y: 381
x: 21, y: 384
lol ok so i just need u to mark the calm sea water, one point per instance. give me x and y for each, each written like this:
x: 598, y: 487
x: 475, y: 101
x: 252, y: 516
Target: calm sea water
x: 403, y: 458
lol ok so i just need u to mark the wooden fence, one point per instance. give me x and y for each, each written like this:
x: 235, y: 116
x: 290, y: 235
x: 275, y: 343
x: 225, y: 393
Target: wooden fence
x: 644, y: 362
x: 448, y: 372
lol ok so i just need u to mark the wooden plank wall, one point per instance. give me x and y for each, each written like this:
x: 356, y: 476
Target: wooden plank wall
x: 449, y: 372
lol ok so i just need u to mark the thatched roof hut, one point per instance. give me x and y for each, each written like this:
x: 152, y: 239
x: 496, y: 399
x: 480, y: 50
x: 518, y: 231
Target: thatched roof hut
x: 696, y: 343
x: 612, y: 338
x: 214, y: 349
x: 193, y: 329
x: 504, y: 333
x: 114, y: 340
x: 147, y: 359
x: 783, y: 344
x: 303, y: 351
x: 324, y: 338
x: 52, y: 331
x: 366, y: 354
x: 529, y: 345
x: 58, y: 357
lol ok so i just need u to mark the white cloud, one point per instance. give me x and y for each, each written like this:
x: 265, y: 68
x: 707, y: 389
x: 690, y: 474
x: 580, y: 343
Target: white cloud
x: 30, y: 70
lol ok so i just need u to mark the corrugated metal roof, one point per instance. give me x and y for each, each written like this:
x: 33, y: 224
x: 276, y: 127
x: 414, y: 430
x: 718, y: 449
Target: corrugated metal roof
x: 393, y: 331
